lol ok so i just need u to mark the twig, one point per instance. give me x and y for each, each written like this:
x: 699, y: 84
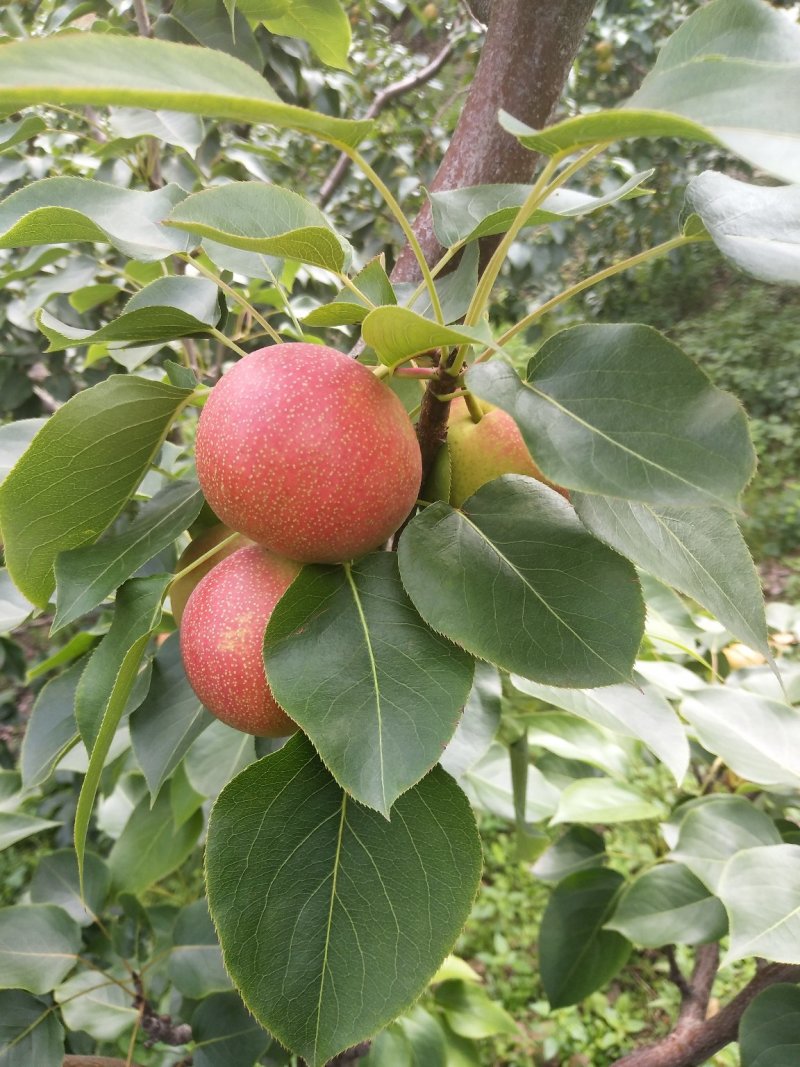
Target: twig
x: 142, y: 18
x: 158, y: 1027
x: 385, y: 96
x: 695, y: 1038
x: 96, y: 1061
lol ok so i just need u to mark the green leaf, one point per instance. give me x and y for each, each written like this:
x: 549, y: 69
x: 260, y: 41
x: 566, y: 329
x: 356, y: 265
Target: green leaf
x: 576, y: 955
x: 14, y: 133
x: 107, y: 683
x: 93, y: 296
x: 728, y: 74
x: 102, y: 69
x: 629, y: 710
x: 699, y: 551
x: 90, y: 1001
x: 39, y: 944
x: 579, y: 849
x: 347, y: 309
x: 77, y: 474
x: 716, y: 828
x: 51, y: 729
x: 620, y: 410
x: 166, y: 309
x: 760, y: 888
x: 195, y: 962
x: 470, y: 1012
x: 14, y: 439
x: 150, y: 847
x: 389, y: 1048
x: 575, y: 738
x: 378, y: 693
x: 486, y: 210
x: 14, y: 608
x: 171, y: 127
x: 758, y: 738
x: 398, y: 334
x: 479, y: 723
x: 111, y: 669
x: 164, y: 726
x: 216, y: 756
x: 263, y: 218
x: 323, y: 23
x: 207, y: 23
x: 86, y: 576
x: 56, y: 882
x: 287, y: 848
x: 769, y: 1031
x: 55, y: 210
x: 425, y: 1038
x: 668, y: 905
x: 225, y: 1032
x: 16, y: 826
x: 515, y: 579
x: 602, y: 800
x: 29, y: 1031
x: 757, y: 227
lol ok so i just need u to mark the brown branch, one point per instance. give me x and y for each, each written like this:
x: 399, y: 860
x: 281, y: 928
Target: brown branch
x: 695, y: 1038
x: 96, y: 1061
x: 158, y: 1027
x: 142, y: 18
x: 527, y: 55
x: 385, y: 96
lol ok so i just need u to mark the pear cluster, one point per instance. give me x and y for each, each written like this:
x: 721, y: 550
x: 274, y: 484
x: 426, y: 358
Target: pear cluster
x: 311, y: 459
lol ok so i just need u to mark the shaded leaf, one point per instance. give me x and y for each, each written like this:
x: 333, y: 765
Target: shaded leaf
x: 195, y: 962
x: 760, y: 888
x: 39, y: 944
x: 576, y: 955
x: 16, y: 826
x: 378, y: 693
x: 225, y: 1032
x: 14, y: 608
x: 78, y: 472
x: 29, y: 1031
x: 699, y: 551
x: 56, y: 881
x: 263, y: 218
x: 479, y: 723
x: 90, y: 1001
x: 52, y: 728
x: 769, y: 1031
x: 579, y: 849
x: 622, y: 411
x: 668, y: 905
x: 515, y: 579
x: 150, y: 847
x: 403, y: 887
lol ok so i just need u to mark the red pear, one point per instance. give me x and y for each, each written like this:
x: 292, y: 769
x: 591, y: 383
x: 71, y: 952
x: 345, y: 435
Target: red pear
x: 303, y: 450
x: 222, y: 639
x: 181, y: 590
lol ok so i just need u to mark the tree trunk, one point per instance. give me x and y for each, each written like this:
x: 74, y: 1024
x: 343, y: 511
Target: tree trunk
x: 529, y: 49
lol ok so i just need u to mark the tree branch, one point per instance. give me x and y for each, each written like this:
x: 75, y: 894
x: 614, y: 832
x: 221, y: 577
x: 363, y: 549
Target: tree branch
x: 529, y: 49
x: 142, y: 18
x: 696, y: 1038
x: 95, y: 1061
x: 385, y: 96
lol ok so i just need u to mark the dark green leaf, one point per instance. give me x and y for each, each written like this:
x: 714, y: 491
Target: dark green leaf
x: 86, y: 576
x: 150, y: 847
x: 55, y: 210
x: 30, y: 1032
x: 102, y: 69
x: 195, y: 962
x: 164, y: 726
x: 51, y: 729
x: 769, y: 1031
x: 206, y: 22
x: 77, y: 474
x: 756, y: 226
x: 668, y: 905
x: 225, y: 1033
x: 697, y: 550
x: 165, y: 309
x: 516, y: 580
x: 620, y: 410
x: 286, y: 848
x: 56, y: 882
x: 576, y: 955
x: 264, y: 218
x: 378, y: 693
x: 579, y: 849
x: 14, y: 133
x: 39, y: 944
x: 104, y: 682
